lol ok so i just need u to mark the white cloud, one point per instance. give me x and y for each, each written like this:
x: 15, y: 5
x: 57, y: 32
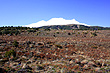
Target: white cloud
x: 54, y: 21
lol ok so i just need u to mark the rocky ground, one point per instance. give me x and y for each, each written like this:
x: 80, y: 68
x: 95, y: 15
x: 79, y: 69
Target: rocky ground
x: 56, y: 51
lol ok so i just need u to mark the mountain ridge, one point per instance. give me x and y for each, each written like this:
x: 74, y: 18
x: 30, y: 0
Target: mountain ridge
x: 74, y: 26
x: 62, y: 27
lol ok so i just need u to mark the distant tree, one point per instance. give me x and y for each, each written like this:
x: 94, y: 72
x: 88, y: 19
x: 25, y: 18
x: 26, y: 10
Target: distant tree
x: 47, y: 29
x: 37, y: 28
x: 31, y: 30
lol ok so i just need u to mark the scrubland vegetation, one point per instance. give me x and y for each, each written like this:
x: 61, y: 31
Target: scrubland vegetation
x: 39, y: 50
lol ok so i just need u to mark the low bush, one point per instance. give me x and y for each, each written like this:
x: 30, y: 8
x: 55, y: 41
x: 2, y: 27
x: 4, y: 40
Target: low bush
x: 10, y: 53
x: 15, y: 43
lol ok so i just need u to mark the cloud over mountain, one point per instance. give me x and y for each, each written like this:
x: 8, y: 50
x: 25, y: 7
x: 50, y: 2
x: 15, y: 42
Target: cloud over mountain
x: 54, y: 21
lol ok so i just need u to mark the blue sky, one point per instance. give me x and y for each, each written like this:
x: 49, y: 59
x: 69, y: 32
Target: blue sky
x: 24, y: 12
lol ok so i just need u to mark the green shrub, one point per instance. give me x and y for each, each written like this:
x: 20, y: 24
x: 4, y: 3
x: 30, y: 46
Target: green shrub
x: 57, y: 32
x: 15, y: 43
x: 47, y: 29
x: 10, y: 53
x: 93, y: 34
x: 73, y: 32
x: 78, y: 32
x: 69, y: 33
x: 0, y: 33
x: 5, y: 31
x: 85, y: 32
x: 59, y: 46
x: 17, y: 32
x: 31, y: 30
x: 0, y: 56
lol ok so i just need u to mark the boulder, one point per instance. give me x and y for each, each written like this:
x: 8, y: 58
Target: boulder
x: 84, y: 61
x: 24, y: 66
x: 31, y: 45
x: 91, y: 63
x: 97, y: 69
x: 71, y: 62
x: 85, y: 66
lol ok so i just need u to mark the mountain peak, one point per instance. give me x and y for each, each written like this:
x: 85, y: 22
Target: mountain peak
x: 55, y: 21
